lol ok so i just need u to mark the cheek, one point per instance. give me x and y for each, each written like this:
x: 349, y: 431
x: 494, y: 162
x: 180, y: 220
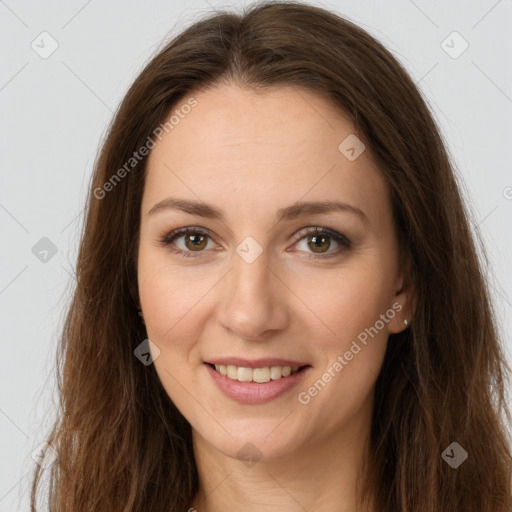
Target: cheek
x: 170, y: 298
x: 353, y: 345
x: 346, y: 301
x: 352, y: 337
x: 171, y: 304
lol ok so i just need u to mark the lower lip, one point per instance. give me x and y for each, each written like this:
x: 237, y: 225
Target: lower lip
x: 254, y: 392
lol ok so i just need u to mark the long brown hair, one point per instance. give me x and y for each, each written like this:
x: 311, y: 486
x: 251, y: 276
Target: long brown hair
x: 121, y: 443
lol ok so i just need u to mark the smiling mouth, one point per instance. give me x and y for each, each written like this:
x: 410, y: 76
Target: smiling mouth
x: 259, y: 375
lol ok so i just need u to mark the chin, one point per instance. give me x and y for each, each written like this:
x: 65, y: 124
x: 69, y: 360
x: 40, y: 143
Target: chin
x: 251, y: 440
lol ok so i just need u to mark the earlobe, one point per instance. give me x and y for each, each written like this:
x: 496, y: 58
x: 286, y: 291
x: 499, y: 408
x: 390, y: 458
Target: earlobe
x: 406, y: 297
x: 401, y: 320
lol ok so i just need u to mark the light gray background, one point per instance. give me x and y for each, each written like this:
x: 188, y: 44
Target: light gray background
x: 54, y: 112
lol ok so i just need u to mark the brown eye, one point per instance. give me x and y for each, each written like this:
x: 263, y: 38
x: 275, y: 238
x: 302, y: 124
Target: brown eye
x: 319, y: 243
x: 192, y: 242
x: 195, y: 242
x: 317, y: 240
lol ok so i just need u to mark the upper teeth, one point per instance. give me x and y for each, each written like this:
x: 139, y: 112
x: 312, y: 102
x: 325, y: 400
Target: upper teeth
x: 260, y: 375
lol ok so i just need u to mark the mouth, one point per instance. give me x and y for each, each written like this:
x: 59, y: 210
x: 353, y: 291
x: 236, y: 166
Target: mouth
x: 259, y: 375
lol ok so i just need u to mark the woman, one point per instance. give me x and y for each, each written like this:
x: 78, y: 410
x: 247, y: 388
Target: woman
x: 279, y: 303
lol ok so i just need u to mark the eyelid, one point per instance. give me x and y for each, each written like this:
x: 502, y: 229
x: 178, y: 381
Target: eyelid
x: 176, y: 233
x: 312, y: 230
x: 167, y: 240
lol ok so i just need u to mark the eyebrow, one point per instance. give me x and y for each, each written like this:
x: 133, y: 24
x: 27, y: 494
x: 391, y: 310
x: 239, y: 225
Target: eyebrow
x: 298, y: 209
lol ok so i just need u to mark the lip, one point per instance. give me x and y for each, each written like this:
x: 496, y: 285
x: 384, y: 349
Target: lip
x: 256, y: 363
x: 254, y: 392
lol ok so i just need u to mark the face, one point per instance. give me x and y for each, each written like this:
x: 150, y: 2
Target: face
x: 262, y: 283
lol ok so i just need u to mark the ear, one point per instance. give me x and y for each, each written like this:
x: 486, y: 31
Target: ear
x: 404, y: 300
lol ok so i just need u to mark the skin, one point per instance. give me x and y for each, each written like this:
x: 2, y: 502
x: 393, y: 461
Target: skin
x: 251, y: 154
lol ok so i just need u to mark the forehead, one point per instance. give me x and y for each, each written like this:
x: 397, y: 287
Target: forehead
x: 235, y: 120
x: 277, y: 146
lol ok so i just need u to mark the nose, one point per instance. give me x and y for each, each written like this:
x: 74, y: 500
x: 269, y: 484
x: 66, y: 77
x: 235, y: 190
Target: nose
x: 253, y: 299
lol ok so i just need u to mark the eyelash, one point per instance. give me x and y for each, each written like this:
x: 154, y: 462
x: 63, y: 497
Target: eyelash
x: 304, y: 233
